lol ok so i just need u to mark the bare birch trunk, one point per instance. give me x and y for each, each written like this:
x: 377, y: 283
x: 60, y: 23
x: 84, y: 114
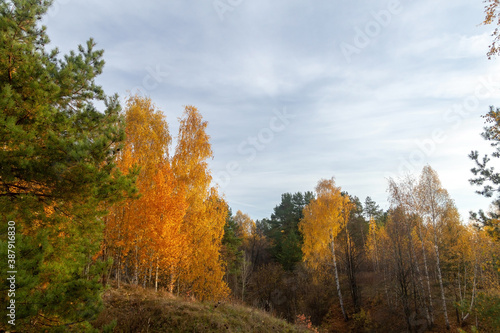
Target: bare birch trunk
x: 431, y: 309
x: 473, y: 296
x: 172, y: 282
x: 443, y: 299
x: 332, y: 243
x: 246, y: 269
x: 386, y: 288
x: 118, y: 268
x: 136, y: 273
x: 421, y: 284
x: 156, y: 277
x: 351, y: 273
x: 150, y: 273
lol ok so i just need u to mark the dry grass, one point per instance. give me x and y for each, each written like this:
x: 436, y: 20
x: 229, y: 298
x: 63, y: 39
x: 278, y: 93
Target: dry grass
x: 142, y: 310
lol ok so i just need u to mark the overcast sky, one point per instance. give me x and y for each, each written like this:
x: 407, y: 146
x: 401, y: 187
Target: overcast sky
x: 295, y: 91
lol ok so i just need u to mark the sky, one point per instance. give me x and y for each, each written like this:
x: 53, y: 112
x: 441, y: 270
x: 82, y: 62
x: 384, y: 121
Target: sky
x: 296, y: 91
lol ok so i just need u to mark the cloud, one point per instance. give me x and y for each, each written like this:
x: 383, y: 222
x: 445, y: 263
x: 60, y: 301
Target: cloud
x: 356, y: 120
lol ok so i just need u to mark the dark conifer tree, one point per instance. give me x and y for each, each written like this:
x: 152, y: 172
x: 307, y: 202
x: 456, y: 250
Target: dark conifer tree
x: 486, y: 175
x: 56, y: 170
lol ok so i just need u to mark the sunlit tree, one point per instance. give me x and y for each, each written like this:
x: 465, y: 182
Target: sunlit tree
x: 207, y: 211
x: 57, y: 171
x: 322, y: 222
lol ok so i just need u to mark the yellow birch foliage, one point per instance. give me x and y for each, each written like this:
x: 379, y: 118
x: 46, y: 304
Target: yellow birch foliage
x: 166, y: 207
x: 175, y: 228
x: 246, y: 225
x: 147, y: 230
x: 205, y: 217
x: 322, y: 222
x: 371, y: 243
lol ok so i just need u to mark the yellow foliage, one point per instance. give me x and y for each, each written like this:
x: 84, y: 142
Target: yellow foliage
x: 246, y: 225
x: 324, y: 217
x: 206, y: 213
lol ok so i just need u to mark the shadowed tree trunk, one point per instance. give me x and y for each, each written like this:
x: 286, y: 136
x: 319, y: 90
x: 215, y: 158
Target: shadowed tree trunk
x: 339, y: 291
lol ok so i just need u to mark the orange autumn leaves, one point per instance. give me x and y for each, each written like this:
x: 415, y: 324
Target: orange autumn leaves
x: 171, y: 235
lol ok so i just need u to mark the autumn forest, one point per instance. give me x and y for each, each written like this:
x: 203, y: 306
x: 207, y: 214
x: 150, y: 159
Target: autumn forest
x: 110, y: 198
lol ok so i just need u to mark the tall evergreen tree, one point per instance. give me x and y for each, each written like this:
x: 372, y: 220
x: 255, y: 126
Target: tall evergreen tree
x: 56, y: 169
x: 487, y: 177
x: 284, y: 231
x: 230, y: 250
x: 372, y: 210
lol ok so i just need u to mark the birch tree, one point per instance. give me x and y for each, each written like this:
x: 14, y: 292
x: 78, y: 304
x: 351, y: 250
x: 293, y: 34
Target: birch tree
x: 145, y: 233
x: 320, y: 226
x: 207, y: 211
x: 404, y: 229
x: 434, y: 201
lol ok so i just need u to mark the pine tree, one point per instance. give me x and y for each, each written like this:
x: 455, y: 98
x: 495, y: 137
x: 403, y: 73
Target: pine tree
x: 230, y: 251
x: 487, y: 177
x: 284, y: 230
x: 56, y: 169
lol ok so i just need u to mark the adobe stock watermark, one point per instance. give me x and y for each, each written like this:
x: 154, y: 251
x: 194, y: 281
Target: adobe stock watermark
x: 453, y: 118
x: 249, y: 148
x: 371, y: 30
x: 11, y: 271
x: 223, y: 6
x: 152, y: 80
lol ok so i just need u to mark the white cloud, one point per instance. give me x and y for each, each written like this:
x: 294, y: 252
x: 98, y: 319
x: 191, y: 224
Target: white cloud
x: 354, y: 120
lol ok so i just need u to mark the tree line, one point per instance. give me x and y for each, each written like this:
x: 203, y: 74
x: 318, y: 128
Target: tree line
x: 326, y: 255
x: 101, y: 197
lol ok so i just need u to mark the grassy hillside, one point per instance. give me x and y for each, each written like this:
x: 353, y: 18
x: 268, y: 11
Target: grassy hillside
x: 142, y: 310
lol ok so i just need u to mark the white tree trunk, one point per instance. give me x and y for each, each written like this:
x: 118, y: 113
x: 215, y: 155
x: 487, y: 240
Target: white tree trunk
x: 443, y: 299
x: 428, y: 314
x: 337, y: 280
x: 172, y: 282
x: 136, y: 273
x: 431, y: 308
x: 246, y: 270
